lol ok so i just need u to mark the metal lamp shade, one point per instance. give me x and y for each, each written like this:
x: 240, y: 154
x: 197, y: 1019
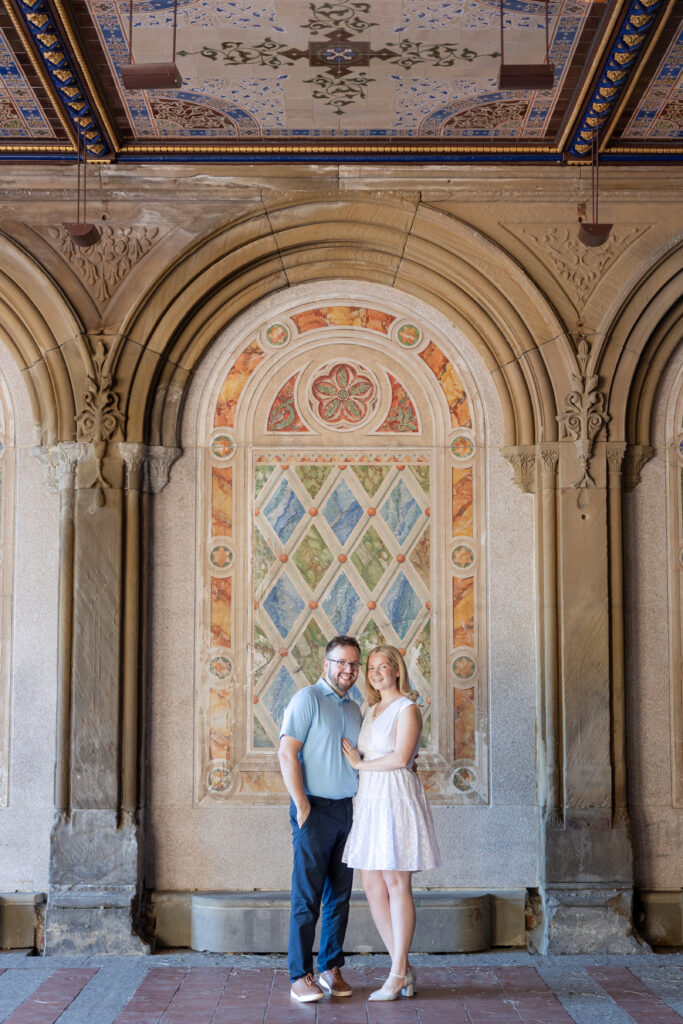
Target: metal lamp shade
x: 83, y: 235
x: 526, y: 76
x: 594, y: 235
x: 151, y: 76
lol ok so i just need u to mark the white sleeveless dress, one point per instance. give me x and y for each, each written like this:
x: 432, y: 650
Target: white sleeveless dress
x: 392, y: 823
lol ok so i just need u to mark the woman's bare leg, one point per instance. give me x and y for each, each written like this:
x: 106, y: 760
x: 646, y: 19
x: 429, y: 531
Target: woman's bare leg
x: 378, y: 900
x: 402, y: 909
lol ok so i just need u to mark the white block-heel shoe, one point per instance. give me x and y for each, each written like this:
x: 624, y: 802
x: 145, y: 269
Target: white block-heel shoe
x: 388, y: 992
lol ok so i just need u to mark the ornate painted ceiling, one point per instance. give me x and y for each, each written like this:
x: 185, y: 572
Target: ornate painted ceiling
x: 372, y: 80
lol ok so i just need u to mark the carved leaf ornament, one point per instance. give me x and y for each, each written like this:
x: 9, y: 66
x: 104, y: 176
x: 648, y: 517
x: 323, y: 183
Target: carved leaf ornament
x: 100, y: 415
x: 583, y: 417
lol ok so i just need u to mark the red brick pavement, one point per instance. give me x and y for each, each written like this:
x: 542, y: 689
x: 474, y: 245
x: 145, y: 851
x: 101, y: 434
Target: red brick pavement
x: 633, y: 996
x: 446, y: 995
x: 50, y: 999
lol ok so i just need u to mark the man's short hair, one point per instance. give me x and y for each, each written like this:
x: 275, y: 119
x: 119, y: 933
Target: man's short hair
x: 341, y: 641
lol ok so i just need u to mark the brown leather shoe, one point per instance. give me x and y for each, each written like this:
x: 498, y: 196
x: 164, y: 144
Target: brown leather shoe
x: 333, y: 983
x: 306, y: 990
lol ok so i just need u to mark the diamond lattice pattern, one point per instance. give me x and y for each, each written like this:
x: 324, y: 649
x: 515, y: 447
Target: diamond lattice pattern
x: 357, y: 561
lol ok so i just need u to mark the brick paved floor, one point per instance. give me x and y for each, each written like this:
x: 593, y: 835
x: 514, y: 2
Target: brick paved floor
x: 193, y: 988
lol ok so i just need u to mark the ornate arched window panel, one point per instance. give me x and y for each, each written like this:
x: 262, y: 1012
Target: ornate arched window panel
x: 7, y: 450
x: 341, y: 491
x: 675, y: 532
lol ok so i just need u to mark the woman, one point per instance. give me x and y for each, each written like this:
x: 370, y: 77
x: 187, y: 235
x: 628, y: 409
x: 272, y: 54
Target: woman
x: 392, y: 834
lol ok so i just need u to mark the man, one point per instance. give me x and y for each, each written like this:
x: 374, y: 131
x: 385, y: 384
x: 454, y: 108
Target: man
x: 321, y: 784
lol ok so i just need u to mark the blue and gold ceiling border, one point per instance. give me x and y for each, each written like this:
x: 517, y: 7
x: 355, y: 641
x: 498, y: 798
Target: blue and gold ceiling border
x: 634, y: 32
x: 50, y: 44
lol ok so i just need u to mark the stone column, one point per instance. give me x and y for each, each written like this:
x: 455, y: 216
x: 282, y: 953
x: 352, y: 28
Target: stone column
x: 96, y: 841
x: 583, y: 904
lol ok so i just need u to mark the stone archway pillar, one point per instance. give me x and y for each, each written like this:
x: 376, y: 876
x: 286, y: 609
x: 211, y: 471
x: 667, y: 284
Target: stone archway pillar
x: 586, y: 871
x: 96, y: 840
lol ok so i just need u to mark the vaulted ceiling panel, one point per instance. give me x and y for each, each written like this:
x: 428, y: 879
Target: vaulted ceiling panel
x: 362, y: 78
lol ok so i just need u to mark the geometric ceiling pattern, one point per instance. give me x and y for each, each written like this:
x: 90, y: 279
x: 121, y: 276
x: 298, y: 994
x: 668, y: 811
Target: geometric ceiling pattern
x: 372, y: 80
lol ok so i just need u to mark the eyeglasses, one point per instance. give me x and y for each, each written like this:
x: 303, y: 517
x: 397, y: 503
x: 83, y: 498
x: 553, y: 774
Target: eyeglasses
x: 352, y: 665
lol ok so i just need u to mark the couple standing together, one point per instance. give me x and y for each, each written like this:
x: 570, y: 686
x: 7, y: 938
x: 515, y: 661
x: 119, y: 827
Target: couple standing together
x: 327, y: 752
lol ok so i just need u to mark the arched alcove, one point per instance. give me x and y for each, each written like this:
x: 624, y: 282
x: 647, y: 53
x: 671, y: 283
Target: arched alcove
x: 214, y: 787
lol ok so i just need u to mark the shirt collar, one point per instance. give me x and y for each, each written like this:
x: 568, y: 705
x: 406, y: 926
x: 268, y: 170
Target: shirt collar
x: 329, y: 691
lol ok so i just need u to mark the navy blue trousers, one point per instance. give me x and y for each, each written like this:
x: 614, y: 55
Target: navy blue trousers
x: 319, y: 874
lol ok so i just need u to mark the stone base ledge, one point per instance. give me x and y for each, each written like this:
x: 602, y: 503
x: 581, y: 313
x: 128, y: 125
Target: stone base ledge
x: 21, y: 920
x: 659, y: 917
x: 448, y: 921
x: 589, y: 919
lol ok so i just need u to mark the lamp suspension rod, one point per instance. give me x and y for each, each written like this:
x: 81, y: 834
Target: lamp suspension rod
x: 175, y: 26
x: 502, y: 42
x: 85, y: 183
x: 547, y: 31
x: 130, y: 32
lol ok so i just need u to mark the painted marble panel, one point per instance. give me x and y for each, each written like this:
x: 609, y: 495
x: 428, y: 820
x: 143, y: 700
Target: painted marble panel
x: 221, y: 501
x: 342, y: 511
x: 462, y: 503
x: 464, y: 710
x: 402, y: 605
x: 284, y: 512
x: 284, y: 415
x: 221, y: 611
x: 463, y: 612
x: 343, y: 316
x: 400, y: 511
x: 219, y: 724
x: 402, y: 416
x: 284, y: 605
x: 239, y: 374
x: 453, y: 388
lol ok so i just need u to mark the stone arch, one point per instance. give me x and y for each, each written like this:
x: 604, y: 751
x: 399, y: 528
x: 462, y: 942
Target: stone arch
x: 422, y: 251
x: 44, y: 336
x: 643, y: 338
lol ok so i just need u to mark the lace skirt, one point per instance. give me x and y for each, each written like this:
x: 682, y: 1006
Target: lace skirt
x: 392, y: 824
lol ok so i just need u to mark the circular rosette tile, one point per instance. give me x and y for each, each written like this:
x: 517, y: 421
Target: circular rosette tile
x: 343, y: 395
x: 464, y: 667
x: 463, y: 557
x: 277, y: 333
x: 408, y: 334
x: 465, y: 779
x: 220, y: 667
x: 220, y: 779
x: 221, y: 555
x: 223, y: 447
x: 462, y: 446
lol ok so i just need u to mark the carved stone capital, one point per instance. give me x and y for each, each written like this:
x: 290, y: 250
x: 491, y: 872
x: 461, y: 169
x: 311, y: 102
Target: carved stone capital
x: 616, y: 453
x: 134, y: 457
x: 59, y: 462
x: 549, y: 457
x: 158, y: 466
x: 148, y: 468
x: 522, y: 459
x: 636, y: 457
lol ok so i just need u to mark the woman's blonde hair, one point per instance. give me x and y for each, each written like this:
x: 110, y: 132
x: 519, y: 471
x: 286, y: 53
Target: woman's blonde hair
x: 395, y: 659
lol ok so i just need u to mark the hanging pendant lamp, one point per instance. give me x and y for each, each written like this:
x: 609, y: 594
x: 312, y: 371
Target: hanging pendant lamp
x: 82, y: 233
x: 593, y: 233
x: 526, y: 76
x: 151, y: 76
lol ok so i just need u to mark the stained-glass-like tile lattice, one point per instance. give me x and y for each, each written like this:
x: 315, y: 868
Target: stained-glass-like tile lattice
x: 367, y: 520
x: 350, y: 563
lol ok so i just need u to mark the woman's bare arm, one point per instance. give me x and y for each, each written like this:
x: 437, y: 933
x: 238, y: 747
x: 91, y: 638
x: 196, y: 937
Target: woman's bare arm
x: 408, y: 731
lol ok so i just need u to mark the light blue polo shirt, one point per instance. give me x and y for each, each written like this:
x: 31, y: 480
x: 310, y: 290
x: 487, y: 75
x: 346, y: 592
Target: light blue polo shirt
x: 318, y: 717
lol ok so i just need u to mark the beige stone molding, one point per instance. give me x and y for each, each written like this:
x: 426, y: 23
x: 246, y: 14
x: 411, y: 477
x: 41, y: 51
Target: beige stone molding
x: 583, y: 418
x: 616, y: 455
